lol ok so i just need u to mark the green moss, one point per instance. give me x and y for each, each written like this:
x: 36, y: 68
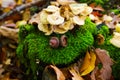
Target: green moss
x: 77, y: 44
x: 90, y: 26
x: 35, y: 45
x: 104, y: 30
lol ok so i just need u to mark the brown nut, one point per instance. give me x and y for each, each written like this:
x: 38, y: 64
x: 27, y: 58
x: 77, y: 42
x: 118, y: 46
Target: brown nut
x: 63, y: 40
x: 54, y: 42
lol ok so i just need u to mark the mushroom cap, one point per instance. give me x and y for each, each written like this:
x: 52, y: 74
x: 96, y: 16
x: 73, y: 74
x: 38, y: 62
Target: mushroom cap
x: 51, y: 8
x: 59, y: 30
x: 77, y: 8
x: 87, y: 10
x: 55, y: 18
x: 65, y: 2
x: 45, y: 28
x: 43, y: 17
x: 115, y: 40
x: 79, y: 20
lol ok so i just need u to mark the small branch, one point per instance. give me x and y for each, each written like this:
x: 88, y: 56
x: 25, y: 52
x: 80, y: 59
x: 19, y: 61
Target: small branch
x: 43, y: 3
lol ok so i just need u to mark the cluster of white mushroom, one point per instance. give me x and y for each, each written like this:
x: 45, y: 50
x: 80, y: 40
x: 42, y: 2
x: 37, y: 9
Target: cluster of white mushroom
x: 61, y: 18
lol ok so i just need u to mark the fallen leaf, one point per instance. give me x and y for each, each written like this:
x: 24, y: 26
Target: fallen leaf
x: 76, y: 76
x: 19, y: 2
x: 97, y: 13
x: 96, y: 7
x: 91, y: 66
x: 105, y: 72
x: 115, y: 20
x: 9, y: 33
x: 52, y: 73
x: 117, y: 27
x: 8, y: 3
x: 86, y: 62
x: 1, y: 71
x: 26, y: 15
x: 3, y: 55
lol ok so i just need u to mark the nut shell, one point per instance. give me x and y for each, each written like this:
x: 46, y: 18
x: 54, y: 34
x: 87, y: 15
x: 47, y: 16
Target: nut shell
x: 54, y: 42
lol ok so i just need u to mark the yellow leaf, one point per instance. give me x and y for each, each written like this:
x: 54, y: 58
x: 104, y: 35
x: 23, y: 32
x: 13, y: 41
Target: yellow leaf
x: 19, y: 2
x: 26, y: 15
x: 6, y: 9
x: 91, y: 65
x: 86, y: 62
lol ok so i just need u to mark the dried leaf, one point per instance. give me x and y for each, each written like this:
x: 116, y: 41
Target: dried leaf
x: 9, y: 33
x: 34, y: 19
x: 1, y: 71
x: 117, y: 27
x: 86, y: 62
x: 6, y: 10
x: 105, y: 72
x: 91, y: 66
x: 26, y: 15
x: 8, y: 3
x: 19, y: 2
x: 115, y: 20
x: 96, y: 7
x: 76, y: 76
x: 97, y: 13
x: 52, y: 73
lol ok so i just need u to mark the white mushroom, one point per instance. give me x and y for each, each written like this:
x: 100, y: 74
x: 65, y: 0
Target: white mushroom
x: 45, y: 28
x: 116, y: 40
x: 55, y: 18
x: 52, y: 8
x: 65, y: 2
x: 77, y: 8
x: 66, y: 25
x: 87, y: 10
x: 43, y: 17
x: 79, y: 20
x: 59, y: 30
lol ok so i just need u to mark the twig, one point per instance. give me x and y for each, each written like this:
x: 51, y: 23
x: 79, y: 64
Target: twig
x: 43, y: 3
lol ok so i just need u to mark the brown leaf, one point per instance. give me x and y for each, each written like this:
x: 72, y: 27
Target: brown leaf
x: 105, y: 72
x: 96, y: 7
x: 9, y: 33
x: 52, y: 73
x: 26, y: 15
x: 3, y: 55
x: 1, y: 71
x: 97, y: 13
x: 76, y: 76
x: 34, y: 19
x: 115, y: 20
